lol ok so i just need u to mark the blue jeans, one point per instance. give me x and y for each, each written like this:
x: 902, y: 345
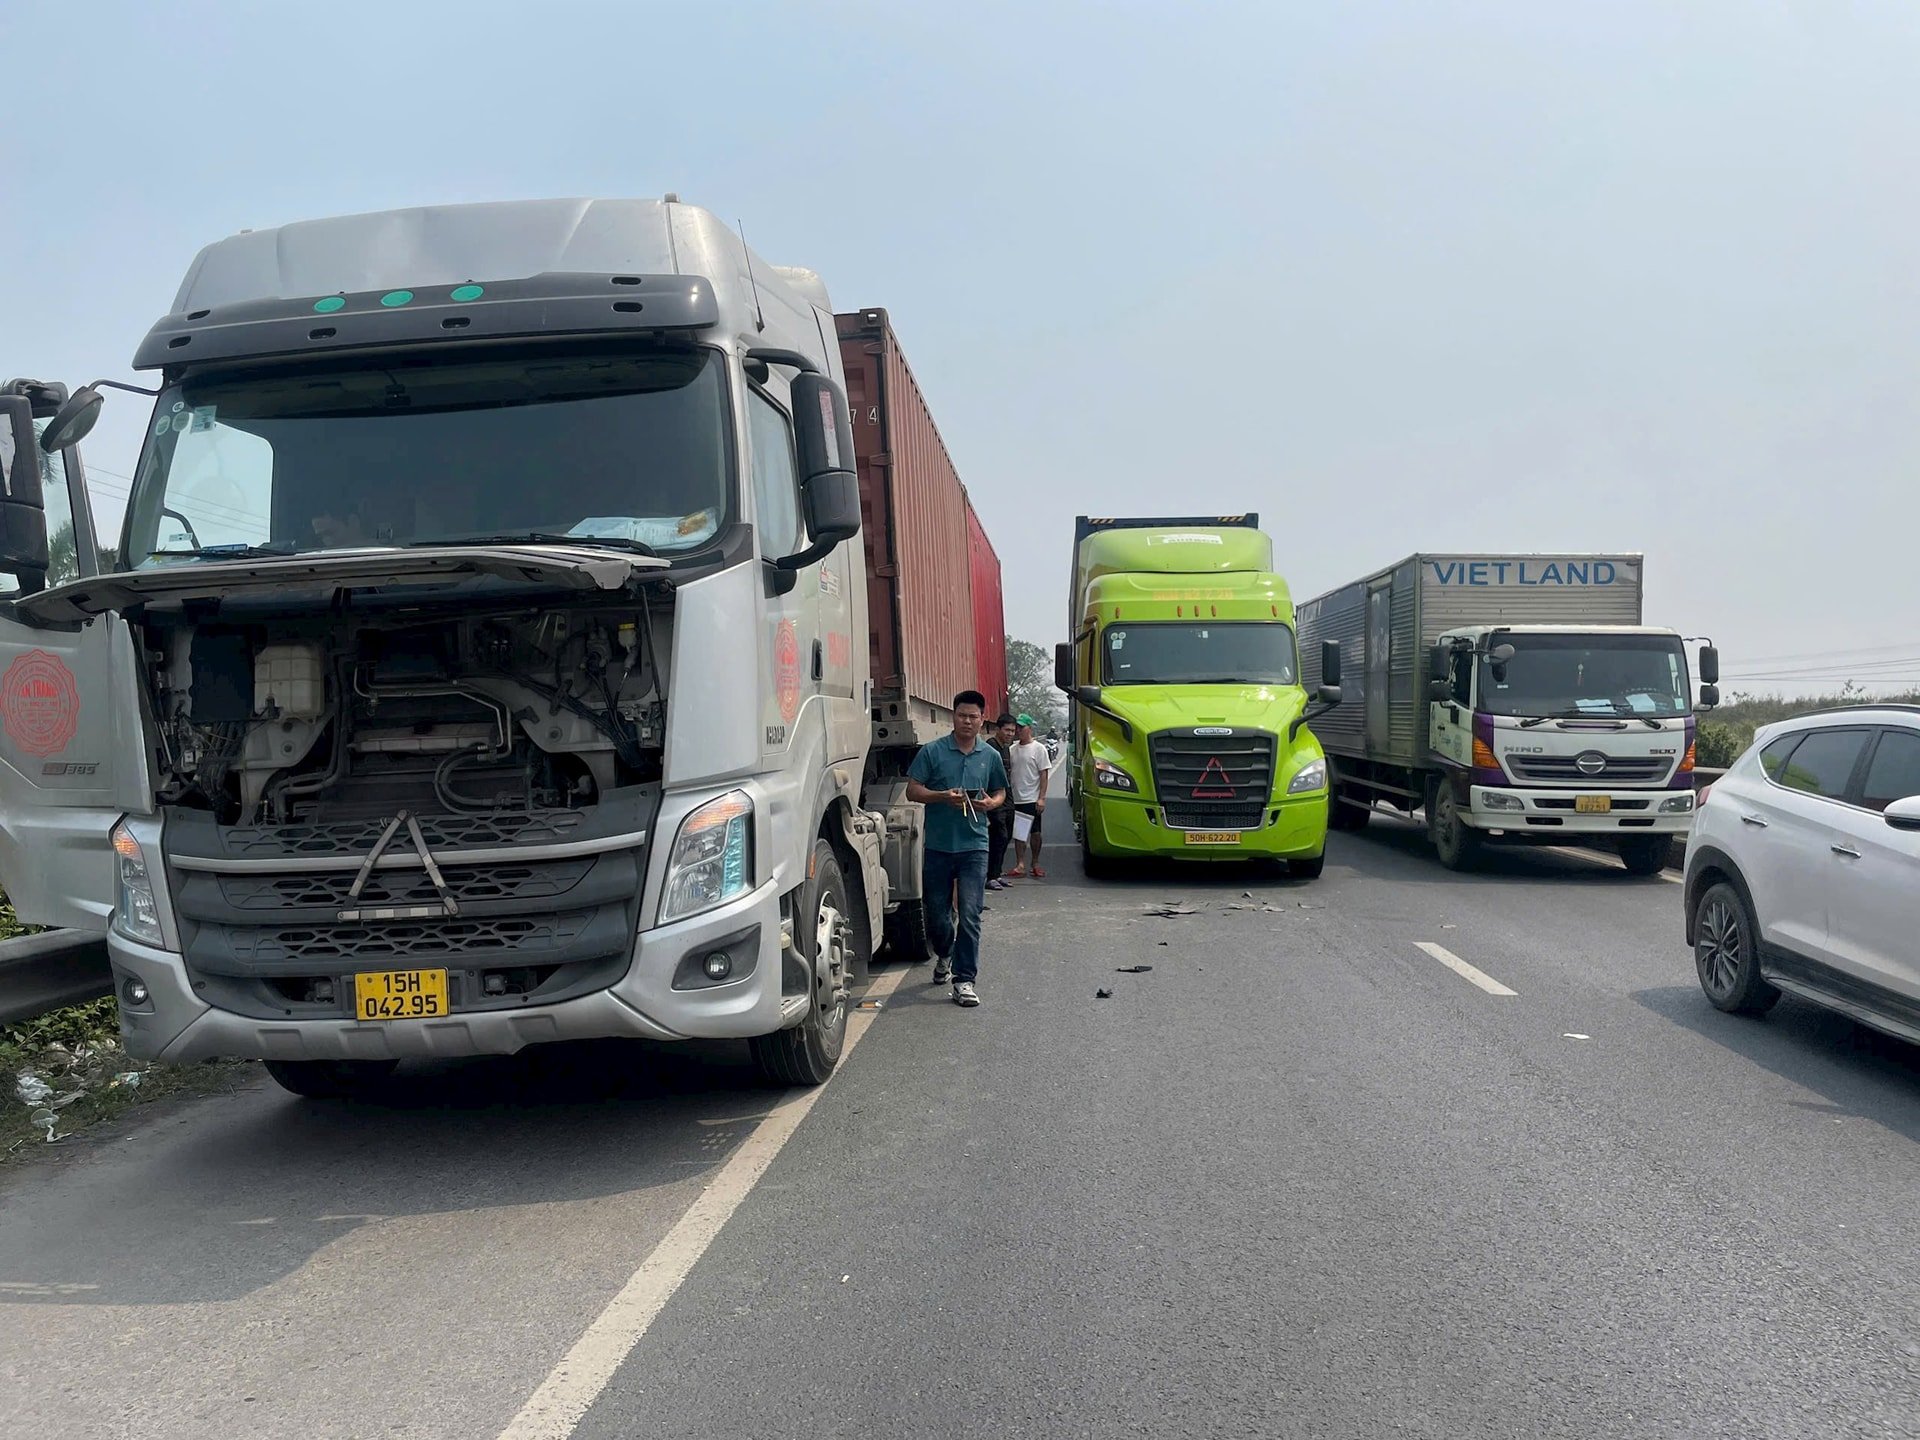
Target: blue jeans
x: 941, y: 874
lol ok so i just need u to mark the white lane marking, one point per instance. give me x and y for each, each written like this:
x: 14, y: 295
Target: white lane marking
x: 1672, y: 879
x: 1461, y: 968
x: 583, y: 1372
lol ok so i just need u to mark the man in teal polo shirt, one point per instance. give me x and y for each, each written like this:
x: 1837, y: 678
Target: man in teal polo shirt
x: 960, y: 779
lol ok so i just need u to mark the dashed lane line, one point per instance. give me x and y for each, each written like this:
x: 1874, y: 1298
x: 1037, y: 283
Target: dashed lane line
x: 1461, y: 968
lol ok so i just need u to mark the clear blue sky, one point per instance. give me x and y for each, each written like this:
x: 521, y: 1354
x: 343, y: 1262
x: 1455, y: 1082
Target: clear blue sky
x: 1523, y: 275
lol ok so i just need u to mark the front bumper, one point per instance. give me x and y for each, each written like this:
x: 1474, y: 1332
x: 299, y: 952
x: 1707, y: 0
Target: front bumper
x: 1295, y: 829
x: 176, y: 1025
x: 1549, y: 814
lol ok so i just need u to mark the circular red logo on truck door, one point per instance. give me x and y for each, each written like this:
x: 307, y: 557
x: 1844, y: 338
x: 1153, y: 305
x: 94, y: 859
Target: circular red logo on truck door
x: 39, y: 703
x: 786, y: 670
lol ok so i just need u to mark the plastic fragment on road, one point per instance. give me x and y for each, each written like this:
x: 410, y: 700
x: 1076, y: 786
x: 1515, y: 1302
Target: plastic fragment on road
x: 872, y: 1005
x: 1103, y: 994
x: 1571, y: 1035
x: 1133, y: 969
x: 31, y: 1089
x: 1168, y: 909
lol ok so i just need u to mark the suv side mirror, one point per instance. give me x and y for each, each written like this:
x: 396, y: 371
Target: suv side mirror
x: 23, y: 515
x: 829, y: 487
x: 1709, y: 665
x: 1904, y: 814
x: 1063, y: 667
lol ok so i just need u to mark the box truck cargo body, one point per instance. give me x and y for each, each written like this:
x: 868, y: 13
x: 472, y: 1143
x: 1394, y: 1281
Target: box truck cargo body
x: 1517, y: 698
x: 493, y: 664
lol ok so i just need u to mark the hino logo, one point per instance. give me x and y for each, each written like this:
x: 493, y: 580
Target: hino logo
x: 1590, y: 762
x: 1213, y: 730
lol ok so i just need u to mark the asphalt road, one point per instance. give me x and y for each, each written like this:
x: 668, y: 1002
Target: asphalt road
x: 1305, y: 1177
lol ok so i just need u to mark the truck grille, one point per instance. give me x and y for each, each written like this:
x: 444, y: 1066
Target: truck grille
x: 402, y: 887
x: 1213, y: 782
x: 486, y: 941
x: 442, y: 832
x: 1566, y: 770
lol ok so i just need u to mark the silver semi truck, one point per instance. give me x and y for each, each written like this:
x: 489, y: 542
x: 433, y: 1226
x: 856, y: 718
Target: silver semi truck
x: 1517, y: 699
x: 485, y: 662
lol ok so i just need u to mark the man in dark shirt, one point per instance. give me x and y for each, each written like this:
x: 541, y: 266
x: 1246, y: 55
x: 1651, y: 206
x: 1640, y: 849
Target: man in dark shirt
x: 961, y: 781
x: 1000, y: 822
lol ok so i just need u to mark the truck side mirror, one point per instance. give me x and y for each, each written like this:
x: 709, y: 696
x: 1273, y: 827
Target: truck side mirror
x: 1439, y: 664
x: 1063, y: 677
x: 1709, y: 696
x: 73, y: 421
x: 1709, y: 665
x: 1498, y: 658
x: 829, y: 488
x: 1439, y: 691
x: 23, y: 515
x: 1330, y: 664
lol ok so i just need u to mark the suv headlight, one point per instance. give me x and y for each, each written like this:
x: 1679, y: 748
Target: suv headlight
x: 712, y: 859
x: 1109, y: 776
x: 1310, y: 776
x: 137, y: 915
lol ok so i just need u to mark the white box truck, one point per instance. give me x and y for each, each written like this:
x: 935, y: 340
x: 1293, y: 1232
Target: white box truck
x: 1517, y: 699
x: 487, y: 660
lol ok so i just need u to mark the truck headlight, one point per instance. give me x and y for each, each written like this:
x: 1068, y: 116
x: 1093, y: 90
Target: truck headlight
x: 712, y: 859
x: 1680, y: 804
x: 1500, y: 800
x: 1109, y: 776
x: 1310, y: 776
x: 137, y: 916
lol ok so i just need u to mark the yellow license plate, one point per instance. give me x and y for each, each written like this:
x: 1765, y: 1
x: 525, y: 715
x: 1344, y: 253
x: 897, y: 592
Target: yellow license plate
x: 1213, y: 837
x: 400, y: 994
x: 1592, y: 804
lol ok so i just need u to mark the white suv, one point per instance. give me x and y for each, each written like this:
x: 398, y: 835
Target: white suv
x: 1803, y: 870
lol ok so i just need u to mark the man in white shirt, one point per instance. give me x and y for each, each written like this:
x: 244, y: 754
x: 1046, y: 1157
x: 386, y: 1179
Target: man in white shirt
x: 1028, y: 765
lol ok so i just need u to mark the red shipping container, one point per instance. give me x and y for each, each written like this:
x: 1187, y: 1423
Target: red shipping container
x: 919, y: 540
x: 989, y: 619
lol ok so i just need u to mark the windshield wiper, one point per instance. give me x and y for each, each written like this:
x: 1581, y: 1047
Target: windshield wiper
x: 544, y: 537
x: 227, y: 552
x: 1533, y: 720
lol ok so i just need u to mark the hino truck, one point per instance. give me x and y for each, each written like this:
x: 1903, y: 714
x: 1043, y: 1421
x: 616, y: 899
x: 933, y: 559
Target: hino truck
x: 487, y: 657
x: 1517, y: 699
x: 1190, y: 709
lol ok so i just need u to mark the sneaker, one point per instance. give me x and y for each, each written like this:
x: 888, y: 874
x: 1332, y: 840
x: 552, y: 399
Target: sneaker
x: 965, y: 994
x: 942, y: 970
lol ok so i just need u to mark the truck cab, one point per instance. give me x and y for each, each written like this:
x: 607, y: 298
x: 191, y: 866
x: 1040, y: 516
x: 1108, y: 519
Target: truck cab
x: 481, y: 664
x: 1189, y: 714
x: 1564, y: 734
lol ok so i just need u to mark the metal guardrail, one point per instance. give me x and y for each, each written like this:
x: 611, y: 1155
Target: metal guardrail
x: 51, y: 970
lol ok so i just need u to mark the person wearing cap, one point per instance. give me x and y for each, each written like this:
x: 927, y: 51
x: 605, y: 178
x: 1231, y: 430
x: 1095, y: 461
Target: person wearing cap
x: 1000, y: 822
x: 1028, y: 766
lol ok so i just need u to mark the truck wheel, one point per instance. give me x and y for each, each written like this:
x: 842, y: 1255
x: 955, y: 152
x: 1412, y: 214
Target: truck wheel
x: 1307, y: 869
x: 1344, y: 815
x: 1456, y: 842
x: 1726, y: 954
x: 1646, y: 855
x: 906, y: 933
x: 825, y: 935
x: 330, y: 1079
x: 1094, y: 867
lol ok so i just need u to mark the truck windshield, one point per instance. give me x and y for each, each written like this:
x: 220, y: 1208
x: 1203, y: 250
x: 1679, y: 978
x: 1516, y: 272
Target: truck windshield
x: 1254, y: 653
x: 1587, y: 675
x: 630, y: 447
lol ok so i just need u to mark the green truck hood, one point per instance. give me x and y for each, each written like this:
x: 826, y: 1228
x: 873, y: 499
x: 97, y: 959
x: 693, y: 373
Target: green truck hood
x: 1181, y: 707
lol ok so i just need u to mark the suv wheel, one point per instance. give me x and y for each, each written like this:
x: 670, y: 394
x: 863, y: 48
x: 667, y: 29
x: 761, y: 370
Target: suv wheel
x: 1726, y: 953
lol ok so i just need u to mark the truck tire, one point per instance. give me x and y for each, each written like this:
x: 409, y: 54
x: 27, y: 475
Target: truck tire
x: 906, y: 933
x: 330, y: 1079
x: 1646, y: 855
x: 826, y: 937
x: 1094, y: 867
x: 1307, y: 869
x: 1726, y: 953
x: 1454, y: 841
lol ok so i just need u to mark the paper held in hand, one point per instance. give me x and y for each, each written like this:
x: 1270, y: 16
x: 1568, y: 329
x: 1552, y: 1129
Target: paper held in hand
x: 1022, y: 825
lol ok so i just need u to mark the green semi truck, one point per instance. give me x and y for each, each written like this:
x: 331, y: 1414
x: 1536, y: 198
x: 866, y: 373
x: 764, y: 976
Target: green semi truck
x: 1189, y: 710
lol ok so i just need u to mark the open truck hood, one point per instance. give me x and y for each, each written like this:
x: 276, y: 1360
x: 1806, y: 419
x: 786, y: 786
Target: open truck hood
x: 582, y: 567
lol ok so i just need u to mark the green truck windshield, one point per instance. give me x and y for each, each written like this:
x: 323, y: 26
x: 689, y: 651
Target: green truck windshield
x: 1587, y: 675
x: 1253, y: 653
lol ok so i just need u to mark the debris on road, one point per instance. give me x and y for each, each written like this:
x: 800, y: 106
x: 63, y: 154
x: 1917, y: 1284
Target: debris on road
x: 1103, y: 993
x: 1133, y: 969
x: 1169, y: 910
x: 1570, y: 1035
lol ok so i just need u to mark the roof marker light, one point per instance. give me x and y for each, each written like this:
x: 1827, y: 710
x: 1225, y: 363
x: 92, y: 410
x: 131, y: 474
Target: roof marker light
x: 464, y: 293
x: 330, y: 304
x: 394, y: 299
